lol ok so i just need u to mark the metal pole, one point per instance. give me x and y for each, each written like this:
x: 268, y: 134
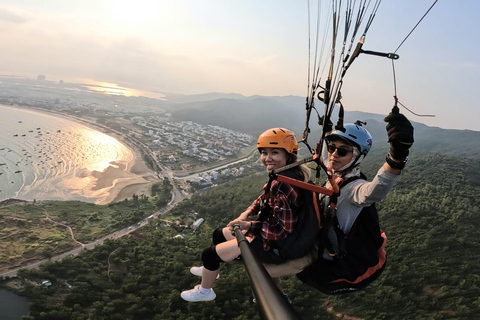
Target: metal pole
x: 272, y: 303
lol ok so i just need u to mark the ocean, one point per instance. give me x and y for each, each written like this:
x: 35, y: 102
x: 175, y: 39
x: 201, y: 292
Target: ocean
x: 12, y: 306
x: 48, y: 157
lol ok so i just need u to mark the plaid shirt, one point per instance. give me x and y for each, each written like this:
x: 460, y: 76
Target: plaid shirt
x: 285, y: 203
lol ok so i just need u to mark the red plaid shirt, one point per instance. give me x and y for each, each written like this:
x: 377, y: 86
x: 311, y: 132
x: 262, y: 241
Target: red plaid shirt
x: 285, y: 203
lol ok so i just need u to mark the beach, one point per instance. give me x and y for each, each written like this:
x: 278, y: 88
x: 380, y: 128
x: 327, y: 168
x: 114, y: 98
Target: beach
x: 123, y: 179
x: 49, y: 156
x: 138, y: 180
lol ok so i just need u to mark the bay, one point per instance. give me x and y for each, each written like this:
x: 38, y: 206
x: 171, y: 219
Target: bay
x: 48, y: 157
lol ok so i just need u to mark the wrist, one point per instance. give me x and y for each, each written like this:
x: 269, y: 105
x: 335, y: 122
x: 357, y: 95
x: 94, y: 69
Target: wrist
x: 245, y: 215
x: 395, y: 163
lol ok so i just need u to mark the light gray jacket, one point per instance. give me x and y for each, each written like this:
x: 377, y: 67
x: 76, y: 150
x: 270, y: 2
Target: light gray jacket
x: 361, y: 193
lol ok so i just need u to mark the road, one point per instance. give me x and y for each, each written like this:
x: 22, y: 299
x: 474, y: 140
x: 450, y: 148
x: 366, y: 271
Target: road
x: 197, y: 174
x: 177, y: 196
x: 91, y: 245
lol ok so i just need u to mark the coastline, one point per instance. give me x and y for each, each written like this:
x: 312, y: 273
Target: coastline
x: 118, y: 178
x: 121, y: 179
x: 120, y: 185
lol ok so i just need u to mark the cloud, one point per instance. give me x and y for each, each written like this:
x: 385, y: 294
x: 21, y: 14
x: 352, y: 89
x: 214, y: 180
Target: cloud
x: 10, y: 16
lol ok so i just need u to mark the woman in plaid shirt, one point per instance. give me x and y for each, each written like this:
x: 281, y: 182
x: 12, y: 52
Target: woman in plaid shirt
x: 278, y: 147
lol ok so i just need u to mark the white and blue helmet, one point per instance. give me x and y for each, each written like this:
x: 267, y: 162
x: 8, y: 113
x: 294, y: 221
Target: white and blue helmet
x: 355, y: 134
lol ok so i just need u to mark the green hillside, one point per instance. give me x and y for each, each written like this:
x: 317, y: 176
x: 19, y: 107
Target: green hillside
x: 251, y: 116
x: 432, y: 220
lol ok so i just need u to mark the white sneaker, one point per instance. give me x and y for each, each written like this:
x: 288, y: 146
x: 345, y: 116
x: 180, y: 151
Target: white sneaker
x: 198, y: 271
x: 195, y: 295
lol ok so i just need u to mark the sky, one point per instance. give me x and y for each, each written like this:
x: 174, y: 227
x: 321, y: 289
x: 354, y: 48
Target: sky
x: 249, y: 47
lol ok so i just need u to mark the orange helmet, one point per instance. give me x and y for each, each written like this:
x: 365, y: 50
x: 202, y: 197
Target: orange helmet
x: 278, y: 138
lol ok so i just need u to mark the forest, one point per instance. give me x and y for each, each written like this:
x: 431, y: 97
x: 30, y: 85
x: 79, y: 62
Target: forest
x: 38, y: 229
x: 431, y: 218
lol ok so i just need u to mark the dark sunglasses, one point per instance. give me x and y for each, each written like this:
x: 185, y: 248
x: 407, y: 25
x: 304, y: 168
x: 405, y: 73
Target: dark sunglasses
x: 342, y: 152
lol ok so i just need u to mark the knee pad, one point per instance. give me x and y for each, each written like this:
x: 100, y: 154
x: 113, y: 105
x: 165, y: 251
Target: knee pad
x: 211, y: 260
x: 218, y: 237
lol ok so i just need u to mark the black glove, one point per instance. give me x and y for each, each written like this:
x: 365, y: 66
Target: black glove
x: 400, y: 135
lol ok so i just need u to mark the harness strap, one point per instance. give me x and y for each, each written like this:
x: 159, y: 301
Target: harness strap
x: 317, y: 210
x: 266, y: 211
x: 304, y: 185
x: 335, y: 237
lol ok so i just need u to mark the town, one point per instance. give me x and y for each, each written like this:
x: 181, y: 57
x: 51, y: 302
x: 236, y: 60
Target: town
x: 184, y: 147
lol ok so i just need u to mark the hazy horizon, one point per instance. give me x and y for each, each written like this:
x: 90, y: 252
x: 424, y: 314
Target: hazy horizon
x: 249, y: 48
x: 113, y: 90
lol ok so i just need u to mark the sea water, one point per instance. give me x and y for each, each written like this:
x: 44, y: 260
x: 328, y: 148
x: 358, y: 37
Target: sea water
x: 12, y: 306
x: 43, y: 156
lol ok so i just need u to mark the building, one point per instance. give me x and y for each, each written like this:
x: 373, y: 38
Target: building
x: 46, y: 283
x: 198, y: 223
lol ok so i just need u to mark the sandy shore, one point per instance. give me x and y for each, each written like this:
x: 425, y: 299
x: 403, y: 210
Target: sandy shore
x: 136, y: 179
x: 121, y: 179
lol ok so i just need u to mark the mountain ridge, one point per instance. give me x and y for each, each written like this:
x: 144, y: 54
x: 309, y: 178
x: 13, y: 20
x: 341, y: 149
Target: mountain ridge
x: 253, y: 115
